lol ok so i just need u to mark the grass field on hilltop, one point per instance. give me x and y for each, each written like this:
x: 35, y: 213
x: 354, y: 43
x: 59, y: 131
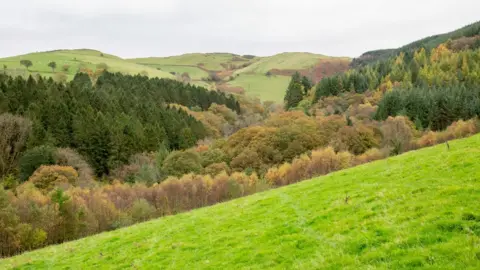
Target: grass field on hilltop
x: 266, y: 88
x: 194, y: 72
x: 417, y: 210
x: 75, y: 59
x: 290, y: 60
x: 210, y: 61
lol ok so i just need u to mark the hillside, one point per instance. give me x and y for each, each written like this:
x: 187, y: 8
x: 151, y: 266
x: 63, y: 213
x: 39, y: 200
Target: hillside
x: 419, y: 209
x: 427, y: 43
x: 268, y: 78
x: 247, y: 73
x: 75, y: 59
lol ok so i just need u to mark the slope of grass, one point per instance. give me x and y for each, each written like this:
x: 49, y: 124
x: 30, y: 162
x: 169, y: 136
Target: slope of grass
x: 264, y: 87
x: 288, y: 60
x: 419, y: 209
x: 194, y: 72
x: 75, y: 59
x: 209, y: 61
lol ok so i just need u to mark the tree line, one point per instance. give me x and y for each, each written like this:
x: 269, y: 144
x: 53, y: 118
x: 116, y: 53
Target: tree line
x: 111, y: 120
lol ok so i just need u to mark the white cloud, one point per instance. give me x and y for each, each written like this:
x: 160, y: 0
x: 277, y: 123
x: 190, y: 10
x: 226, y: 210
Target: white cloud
x: 166, y: 27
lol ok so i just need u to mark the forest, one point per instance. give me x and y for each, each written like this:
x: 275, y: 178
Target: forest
x: 94, y: 155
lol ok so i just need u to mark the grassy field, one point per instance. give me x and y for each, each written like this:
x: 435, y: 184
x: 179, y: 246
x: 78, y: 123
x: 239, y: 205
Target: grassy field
x: 266, y: 88
x: 194, y: 72
x: 209, y: 61
x: 75, y: 59
x: 417, y: 210
x: 289, y: 60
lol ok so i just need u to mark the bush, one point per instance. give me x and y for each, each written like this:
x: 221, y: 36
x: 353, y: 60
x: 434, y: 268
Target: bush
x: 47, y: 178
x: 212, y: 155
x: 34, y: 158
x: 141, y: 210
x: 60, y: 77
x: 397, y: 134
x: 217, y: 168
x: 182, y: 162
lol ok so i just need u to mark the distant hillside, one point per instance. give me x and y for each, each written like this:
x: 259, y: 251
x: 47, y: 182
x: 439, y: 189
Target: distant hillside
x: 427, y: 43
x: 199, y: 66
x: 75, y: 60
x: 264, y: 77
x: 268, y: 78
x: 416, y: 210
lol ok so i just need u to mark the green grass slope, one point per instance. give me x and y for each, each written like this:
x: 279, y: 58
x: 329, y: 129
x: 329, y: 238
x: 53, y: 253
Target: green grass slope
x: 419, y: 209
x: 264, y: 87
x: 75, y: 58
x: 287, y: 60
x: 254, y: 81
x: 208, y: 61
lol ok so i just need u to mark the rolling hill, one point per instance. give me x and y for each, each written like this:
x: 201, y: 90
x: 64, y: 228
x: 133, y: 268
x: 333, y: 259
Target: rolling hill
x: 419, y: 209
x: 268, y: 78
x: 75, y: 59
x: 248, y: 73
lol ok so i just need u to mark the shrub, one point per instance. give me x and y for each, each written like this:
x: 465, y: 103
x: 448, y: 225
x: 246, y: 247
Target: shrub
x: 47, y: 178
x: 212, y: 155
x: 141, y: 210
x: 34, y: 158
x: 60, y: 77
x: 397, y: 134
x: 217, y: 168
x: 182, y: 162
x: 428, y: 139
x: 370, y: 155
x: 323, y: 161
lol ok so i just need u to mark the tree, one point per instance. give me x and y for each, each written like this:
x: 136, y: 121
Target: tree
x: 26, y: 63
x: 182, y: 162
x: 33, y: 159
x: 66, y: 67
x: 294, y: 93
x: 4, y: 69
x: 307, y: 84
x: 52, y: 65
x: 14, y: 132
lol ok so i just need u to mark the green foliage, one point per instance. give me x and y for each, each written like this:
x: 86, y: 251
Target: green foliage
x: 179, y: 163
x: 436, y: 108
x: 34, y: 158
x: 108, y: 122
x: 52, y: 65
x: 9, y: 182
x: 212, y: 155
x: 294, y: 94
x: 26, y: 63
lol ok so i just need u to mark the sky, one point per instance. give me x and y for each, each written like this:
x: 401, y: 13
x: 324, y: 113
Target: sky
x: 142, y: 28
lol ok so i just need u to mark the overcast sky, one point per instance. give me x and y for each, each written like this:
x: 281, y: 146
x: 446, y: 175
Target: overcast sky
x: 137, y: 28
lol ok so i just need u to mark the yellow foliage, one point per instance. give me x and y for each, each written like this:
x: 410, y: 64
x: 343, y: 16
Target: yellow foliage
x: 48, y: 177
